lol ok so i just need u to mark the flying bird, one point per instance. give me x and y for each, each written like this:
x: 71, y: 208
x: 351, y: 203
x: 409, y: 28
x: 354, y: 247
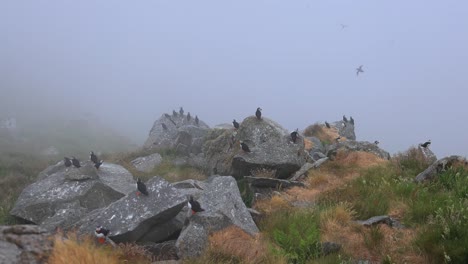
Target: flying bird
x: 425, y: 144
x: 67, y: 162
x: 343, y: 26
x: 359, y: 70
x: 194, y: 206
x: 141, y: 187
x: 244, y: 147
x: 258, y: 113
x: 101, y: 233
x: 236, y: 125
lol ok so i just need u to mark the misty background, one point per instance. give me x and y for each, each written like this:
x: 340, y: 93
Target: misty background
x: 125, y: 63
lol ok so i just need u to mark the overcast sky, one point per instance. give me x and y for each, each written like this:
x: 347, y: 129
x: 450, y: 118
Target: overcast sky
x: 130, y: 61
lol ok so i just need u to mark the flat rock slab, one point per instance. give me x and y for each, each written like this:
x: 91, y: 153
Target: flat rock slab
x: 382, y: 219
x: 306, y: 167
x: 24, y: 244
x: 131, y: 217
x: 437, y: 167
x: 262, y: 182
x: 147, y: 163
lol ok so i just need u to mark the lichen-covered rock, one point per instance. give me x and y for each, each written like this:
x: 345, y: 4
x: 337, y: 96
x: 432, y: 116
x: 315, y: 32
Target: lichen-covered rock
x: 24, y: 244
x: 194, y: 237
x: 271, y: 148
x: 439, y: 166
x: 177, y: 133
x: 133, y: 216
x: 351, y: 145
x: 56, y: 200
x: 306, y: 167
x: 218, y: 150
x: 147, y: 163
x: 345, y: 129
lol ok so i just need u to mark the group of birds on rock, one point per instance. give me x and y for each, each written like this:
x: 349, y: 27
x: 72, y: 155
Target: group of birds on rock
x: 181, y: 113
x: 76, y: 163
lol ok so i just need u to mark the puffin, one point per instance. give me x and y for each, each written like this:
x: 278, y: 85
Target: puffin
x: 98, y: 164
x: 236, y: 125
x: 174, y: 113
x: 67, y: 162
x: 425, y: 144
x: 376, y: 142
x: 76, y: 162
x: 181, y: 111
x: 244, y: 147
x: 101, y: 234
x: 345, y: 119
x: 327, y: 124
x: 194, y: 206
x: 197, y: 121
x: 189, y: 116
x: 258, y: 113
x: 351, y: 120
x: 141, y: 187
x: 93, y: 157
x: 294, y: 135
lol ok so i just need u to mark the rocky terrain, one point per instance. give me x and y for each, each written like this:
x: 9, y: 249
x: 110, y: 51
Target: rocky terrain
x: 276, y: 173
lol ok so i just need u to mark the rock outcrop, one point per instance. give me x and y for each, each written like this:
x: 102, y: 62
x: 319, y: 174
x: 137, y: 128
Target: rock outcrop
x: 438, y: 167
x: 24, y: 244
x: 147, y: 163
x: 177, y: 132
x: 132, y: 217
x: 62, y: 194
x: 351, y: 145
x: 271, y: 148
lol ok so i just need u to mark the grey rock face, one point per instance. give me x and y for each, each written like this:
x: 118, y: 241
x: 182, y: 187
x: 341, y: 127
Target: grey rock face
x: 437, y: 167
x: 87, y: 171
x: 306, y: 167
x: 147, y: 163
x: 271, y: 148
x: 193, y: 239
x: 345, y: 129
x: 382, y: 219
x: 428, y: 154
x: 181, y: 134
x: 219, y: 150
x: 24, y: 244
x: 55, y: 200
x: 351, y: 145
x: 131, y: 217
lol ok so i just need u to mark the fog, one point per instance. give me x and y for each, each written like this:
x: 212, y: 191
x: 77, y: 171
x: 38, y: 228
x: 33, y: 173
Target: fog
x: 128, y: 62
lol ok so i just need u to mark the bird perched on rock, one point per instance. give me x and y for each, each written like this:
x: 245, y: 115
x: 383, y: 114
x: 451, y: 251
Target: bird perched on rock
x: 194, y: 206
x: 181, y: 111
x: 189, y: 116
x: 141, y: 187
x: 236, y: 125
x: 327, y: 124
x: 258, y: 113
x: 67, y: 162
x: 351, y: 120
x: 174, y: 113
x: 197, y: 121
x: 164, y: 126
x: 345, y: 119
x: 98, y: 164
x: 359, y: 70
x: 101, y: 233
x: 425, y: 144
x: 244, y: 147
x: 376, y: 142
x: 76, y: 162
x: 294, y: 135
x: 93, y: 157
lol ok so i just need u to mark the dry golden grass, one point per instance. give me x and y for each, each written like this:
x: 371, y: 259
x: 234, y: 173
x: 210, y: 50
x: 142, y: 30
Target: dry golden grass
x: 321, y: 132
x: 275, y: 203
x: 236, y: 242
x: 360, y: 159
x: 74, y: 250
x: 308, y: 144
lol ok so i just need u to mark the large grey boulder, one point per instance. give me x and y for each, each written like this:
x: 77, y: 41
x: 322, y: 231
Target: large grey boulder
x: 271, y: 148
x: 63, y: 194
x: 219, y: 150
x: 439, y: 166
x: 345, y: 129
x: 177, y: 133
x: 351, y: 145
x: 132, y: 217
x: 194, y: 237
x: 24, y: 244
x: 147, y: 163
